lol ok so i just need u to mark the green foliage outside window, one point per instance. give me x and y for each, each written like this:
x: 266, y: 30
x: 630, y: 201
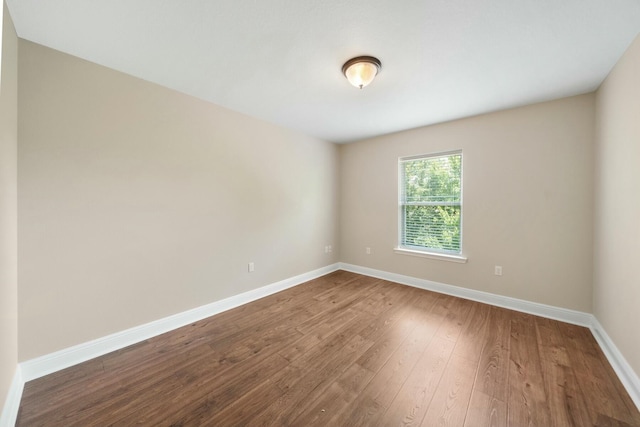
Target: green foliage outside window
x: 431, y: 202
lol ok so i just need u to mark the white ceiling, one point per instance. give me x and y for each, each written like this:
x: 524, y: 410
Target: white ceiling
x: 281, y: 60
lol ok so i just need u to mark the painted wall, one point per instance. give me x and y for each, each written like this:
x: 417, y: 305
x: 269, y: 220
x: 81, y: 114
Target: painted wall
x: 137, y: 202
x: 617, y: 226
x: 527, y: 204
x: 8, y: 206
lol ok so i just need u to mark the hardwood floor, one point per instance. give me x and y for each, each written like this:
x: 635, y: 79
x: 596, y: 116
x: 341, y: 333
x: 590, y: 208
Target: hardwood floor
x: 345, y: 350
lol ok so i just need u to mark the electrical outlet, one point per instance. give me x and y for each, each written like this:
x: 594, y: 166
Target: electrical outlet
x: 330, y: 248
x: 497, y: 270
x: 251, y: 267
x: 368, y: 251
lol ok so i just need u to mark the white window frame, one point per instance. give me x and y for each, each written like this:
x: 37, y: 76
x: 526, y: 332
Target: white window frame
x: 431, y: 253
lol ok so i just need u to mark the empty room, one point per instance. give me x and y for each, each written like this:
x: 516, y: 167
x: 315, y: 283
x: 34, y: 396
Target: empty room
x: 242, y: 213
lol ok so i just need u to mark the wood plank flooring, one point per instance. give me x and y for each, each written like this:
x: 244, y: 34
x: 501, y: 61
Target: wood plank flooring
x: 345, y: 350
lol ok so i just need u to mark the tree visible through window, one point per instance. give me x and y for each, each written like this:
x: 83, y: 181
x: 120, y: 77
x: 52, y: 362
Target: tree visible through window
x: 431, y: 203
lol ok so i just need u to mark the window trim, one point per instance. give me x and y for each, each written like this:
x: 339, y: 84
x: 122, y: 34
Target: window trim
x: 431, y: 253
x: 442, y: 256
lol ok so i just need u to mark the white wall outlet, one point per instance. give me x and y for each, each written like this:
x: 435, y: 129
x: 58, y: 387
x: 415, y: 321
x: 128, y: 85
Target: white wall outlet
x: 328, y: 249
x: 368, y: 251
x: 251, y: 267
x: 497, y: 270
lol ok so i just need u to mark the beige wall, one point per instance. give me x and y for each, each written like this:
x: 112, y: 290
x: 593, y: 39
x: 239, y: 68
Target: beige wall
x: 617, y: 226
x: 137, y: 202
x: 8, y: 206
x: 527, y: 203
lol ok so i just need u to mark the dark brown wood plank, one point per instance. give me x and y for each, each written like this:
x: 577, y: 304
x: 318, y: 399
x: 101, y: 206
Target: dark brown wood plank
x: 473, y: 336
x: 527, y: 401
x: 485, y: 411
x: 596, y: 379
x: 493, y: 367
x: 312, y: 383
x: 566, y: 404
x: 451, y: 399
x: 412, y: 400
x: 337, y: 398
x: 426, y: 320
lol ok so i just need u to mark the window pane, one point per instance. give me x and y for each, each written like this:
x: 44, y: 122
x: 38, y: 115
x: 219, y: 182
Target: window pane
x: 434, y: 179
x: 433, y: 227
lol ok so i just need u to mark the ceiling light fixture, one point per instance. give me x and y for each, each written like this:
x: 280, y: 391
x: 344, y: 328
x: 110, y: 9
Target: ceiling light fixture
x: 362, y: 70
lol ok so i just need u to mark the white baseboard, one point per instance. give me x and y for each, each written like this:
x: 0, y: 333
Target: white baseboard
x: 543, y: 310
x: 11, y: 406
x: 625, y: 372
x: 627, y: 375
x: 40, y: 366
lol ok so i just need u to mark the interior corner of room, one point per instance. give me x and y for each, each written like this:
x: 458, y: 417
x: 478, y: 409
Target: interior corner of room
x: 123, y: 203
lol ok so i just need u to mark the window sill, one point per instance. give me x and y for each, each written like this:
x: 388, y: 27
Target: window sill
x: 432, y: 255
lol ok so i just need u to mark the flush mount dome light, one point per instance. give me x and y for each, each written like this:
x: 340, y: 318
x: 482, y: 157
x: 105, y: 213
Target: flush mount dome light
x: 362, y: 70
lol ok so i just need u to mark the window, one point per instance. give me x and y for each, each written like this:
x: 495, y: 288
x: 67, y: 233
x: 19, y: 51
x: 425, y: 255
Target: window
x: 431, y: 204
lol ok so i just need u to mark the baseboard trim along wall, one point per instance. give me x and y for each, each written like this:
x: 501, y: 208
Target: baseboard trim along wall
x: 550, y: 312
x: 627, y: 375
x: 44, y: 365
x: 38, y: 367
x: 9, y: 414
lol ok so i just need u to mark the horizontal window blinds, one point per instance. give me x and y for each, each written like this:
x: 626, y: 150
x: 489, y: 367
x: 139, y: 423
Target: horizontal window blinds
x: 431, y: 203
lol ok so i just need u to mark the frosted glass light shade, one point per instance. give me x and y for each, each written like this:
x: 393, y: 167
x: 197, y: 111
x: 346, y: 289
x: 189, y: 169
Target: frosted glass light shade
x: 361, y: 71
